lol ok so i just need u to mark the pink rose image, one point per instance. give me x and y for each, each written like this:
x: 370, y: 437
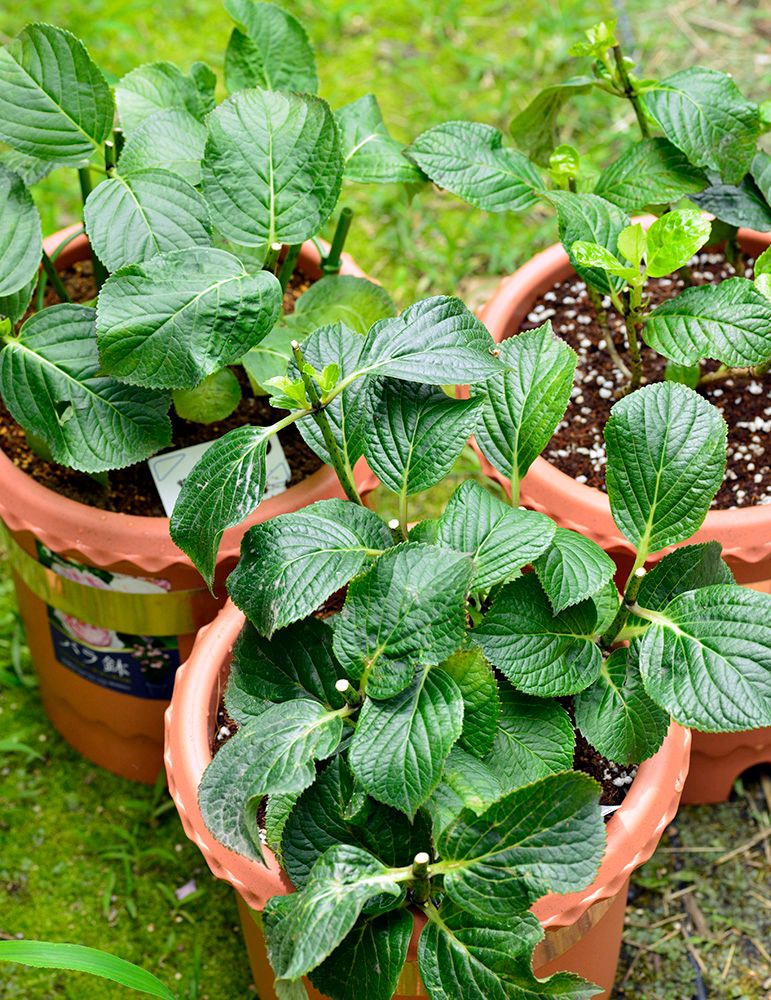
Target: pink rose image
x: 79, y: 576
x: 93, y: 635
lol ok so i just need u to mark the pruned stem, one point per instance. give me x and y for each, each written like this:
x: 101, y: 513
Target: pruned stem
x: 631, y: 321
x: 421, y: 885
x: 630, y: 595
x: 53, y: 276
x: 331, y: 263
x: 348, y: 691
x: 289, y: 264
x: 271, y: 258
x: 629, y: 91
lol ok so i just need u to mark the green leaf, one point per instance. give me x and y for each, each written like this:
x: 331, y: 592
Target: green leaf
x: 301, y: 929
x: 438, y: 341
x: 591, y: 219
x: 54, y: 102
x: 370, y: 959
x: 297, y: 662
x: 370, y: 154
x: 400, y: 745
x: 214, y: 399
x: 594, y: 256
x: 170, y: 321
x: 409, y: 608
x: 729, y: 322
x: 272, y: 51
x: 221, y: 491
x: 572, y: 569
x: 342, y: 298
x: 415, y: 433
x: 673, y: 239
x: 607, y: 601
x: 162, y: 86
x: 652, y: 172
x: 534, y: 738
x: 705, y: 115
x: 272, y: 167
x: 761, y: 173
x: 31, y: 169
x: 546, y: 836
x: 666, y: 457
x: 616, y: 715
x: 469, y: 160
x: 463, y: 955
x: 76, y: 957
x: 51, y: 381
x: 501, y: 539
x: 738, y: 205
x: 171, y: 140
x: 525, y: 403
x: 131, y: 218
x: 688, y: 568
x: 479, y: 688
x: 535, y: 129
x: 270, y: 358
x: 467, y: 783
x: 303, y: 558
x: 632, y: 243
x: 21, y: 240
x: 14, y: 306
x: 541, y: 653
x: 684, y: 374
x: 763, y: 263
x: 277, y: 811
x: 706, y: 658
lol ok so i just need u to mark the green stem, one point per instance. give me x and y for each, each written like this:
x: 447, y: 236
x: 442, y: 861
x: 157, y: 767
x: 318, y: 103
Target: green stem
x: 331, y: 263
x: 109, y: 156
x: 403, y: 519
x: 421, y: 885
x: 288, y: 266
x: 100, y: 271
x: 724, y: 372
x: 318, y: 414
x: 53, y: 276
x: 271, y: 258
x: 632, y: 320
x: 515, y: 484
x: 610, y: 343
x: 348, y: 691
x: 630, y: 595
x: 629, y: 91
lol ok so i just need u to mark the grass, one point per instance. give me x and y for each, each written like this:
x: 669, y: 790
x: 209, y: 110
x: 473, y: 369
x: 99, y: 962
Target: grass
x: 90, y: 858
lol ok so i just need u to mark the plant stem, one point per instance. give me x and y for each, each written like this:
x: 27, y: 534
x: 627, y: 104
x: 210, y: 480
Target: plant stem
x: 288, y: 266
x: 403, y: 521
x: 421, y: 885
x: 350, y: 694
x: 53, y: 276
x: 629, y: 91
x: 271, y: 258
x: 724, y: 372
x: 331, y: 263
x: 630, y: 594
x: 100, y: 271
x: 632, y: 320
x: 610, y: 343
x: 317, y: 412
x: 109, y: 156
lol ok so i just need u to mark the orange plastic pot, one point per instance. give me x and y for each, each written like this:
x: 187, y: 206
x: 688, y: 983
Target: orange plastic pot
x: 744, y: 533
x: 110, y: 605
x: 583, y: 930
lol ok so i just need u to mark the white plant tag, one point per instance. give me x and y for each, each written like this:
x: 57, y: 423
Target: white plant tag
x: 170, y: 470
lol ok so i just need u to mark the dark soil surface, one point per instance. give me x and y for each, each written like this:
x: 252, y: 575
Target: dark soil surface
x: 132, y: 490
x: 578, y: 448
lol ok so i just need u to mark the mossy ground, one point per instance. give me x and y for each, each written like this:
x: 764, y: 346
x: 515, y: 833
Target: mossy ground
x: 90, y: 858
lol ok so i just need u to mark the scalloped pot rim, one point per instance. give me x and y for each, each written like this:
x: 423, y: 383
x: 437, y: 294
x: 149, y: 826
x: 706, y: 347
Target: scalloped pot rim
x: 633, y: 831
x: 745, y: 533
x: 112, y: 540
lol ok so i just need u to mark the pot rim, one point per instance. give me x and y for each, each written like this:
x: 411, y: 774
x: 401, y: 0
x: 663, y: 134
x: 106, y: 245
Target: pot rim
x: 744, y: 531
x: 109, y: 537
x: 633, y: 831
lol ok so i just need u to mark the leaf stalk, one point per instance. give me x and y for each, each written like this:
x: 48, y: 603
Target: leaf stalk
x: 331, y: 263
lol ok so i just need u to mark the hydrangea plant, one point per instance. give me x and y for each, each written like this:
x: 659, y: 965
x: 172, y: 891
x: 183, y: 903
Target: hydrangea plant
x: 698, y: 144
x: 413, y: 749
x: 195, y: 228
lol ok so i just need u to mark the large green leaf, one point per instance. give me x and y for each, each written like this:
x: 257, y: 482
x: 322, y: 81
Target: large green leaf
x: 370, y: 154
x: 673, y: 239
x: 481, y: 707
x: 534, y: 129
x: 171, y: 140
x: 706, y: 658
x: 761, y: 173
x: 534, y: 738
x: 52, y: 383
x: 170, y: 321
x: 467, y: 783
x: 212, y: 400
x: 415, y: 433
x: 652, y: 172
x: 470, y: 160
x: 525, y: 403
x: 541, y: 653
x: 687, y: 568
x: 54, y: 102
x: 131, y: 218
x: 301, y: 929
x: 291, y: 564
x: 737, y: 204
x: 271, y: 51
x: 704, y: 114
x: 31, y: 169
x: 545, y: 836
x: 409, y: 608
x: 501, y: 539
x: 591, y: 219
x: 14, y: 306
x: 21, y: 241
x: 464, y: 955
x: 369, y: 961
x: 729, y: 322
x: 272, y: 167
x: 616, y: 715
x: 666, y: 457
x: 400, y: 745
x: 162, y: 86
x: 572, y: 569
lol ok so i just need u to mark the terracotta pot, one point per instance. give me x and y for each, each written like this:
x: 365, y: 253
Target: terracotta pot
x: 583, y: 930
x: 79, y: 624
x: 745, y: 534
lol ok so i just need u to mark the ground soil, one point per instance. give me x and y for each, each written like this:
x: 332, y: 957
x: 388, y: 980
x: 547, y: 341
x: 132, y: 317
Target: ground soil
x: 578, y: 448
x: 132, y: 490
